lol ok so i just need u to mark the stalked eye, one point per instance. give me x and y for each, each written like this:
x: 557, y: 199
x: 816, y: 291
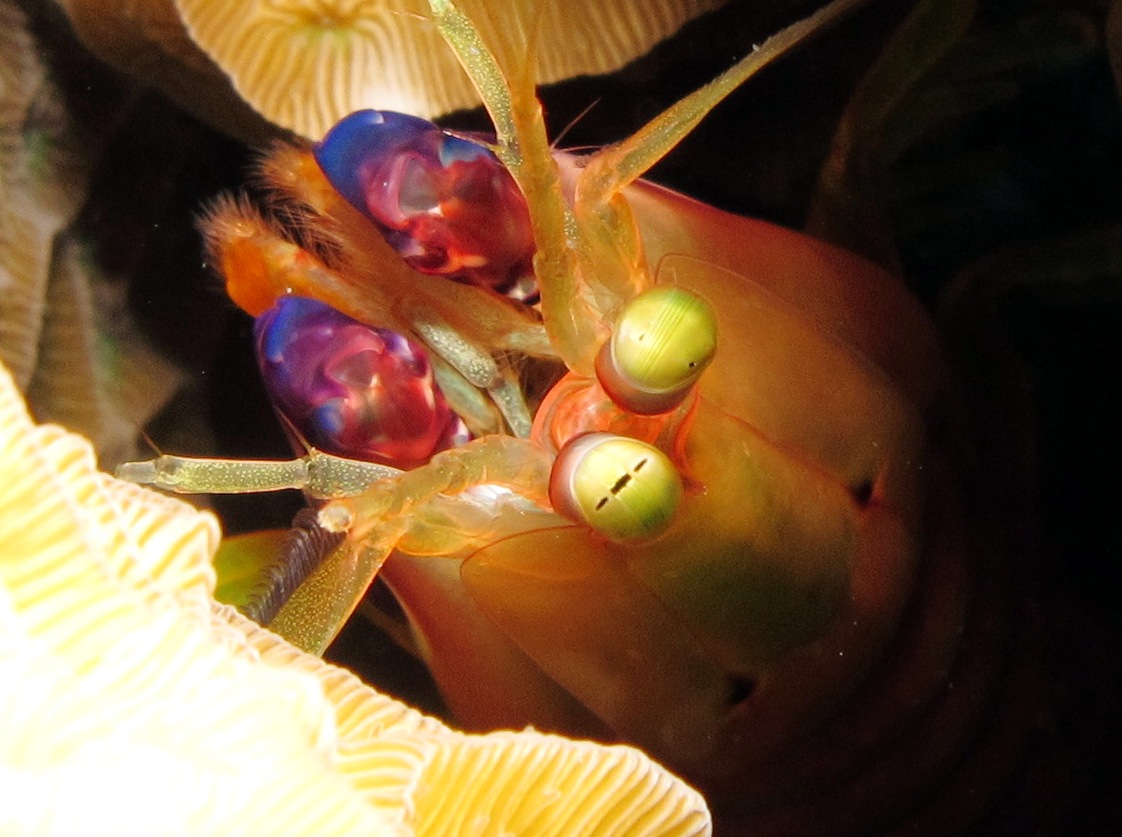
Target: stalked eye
x: 622, y: 488
x: 350, y: 389
x: 662, y: 342
x: 444, y: 203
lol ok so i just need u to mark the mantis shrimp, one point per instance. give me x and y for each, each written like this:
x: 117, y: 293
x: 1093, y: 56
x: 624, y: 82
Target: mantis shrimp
x: 636, y: 468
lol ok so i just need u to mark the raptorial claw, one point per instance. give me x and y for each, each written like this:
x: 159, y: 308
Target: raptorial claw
x: 444, y: 202
x: 351, y: 389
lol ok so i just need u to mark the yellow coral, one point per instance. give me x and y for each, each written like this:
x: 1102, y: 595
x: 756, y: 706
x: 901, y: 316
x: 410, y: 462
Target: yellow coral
x: 305, y: 64
x: 132, y: 703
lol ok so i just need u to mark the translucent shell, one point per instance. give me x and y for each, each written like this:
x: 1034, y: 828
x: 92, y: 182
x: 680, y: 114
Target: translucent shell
x: 350, y: 389
x: 662, y: 342
x: 623, y: 488
x: 445, y: 203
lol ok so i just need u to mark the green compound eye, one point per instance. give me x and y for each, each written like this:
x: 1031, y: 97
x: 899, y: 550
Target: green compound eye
x: 662, y: 342
x: 622, y: 488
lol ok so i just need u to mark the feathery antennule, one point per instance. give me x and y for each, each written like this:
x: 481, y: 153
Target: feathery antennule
x: 298, y: 196
x: 240, y: 242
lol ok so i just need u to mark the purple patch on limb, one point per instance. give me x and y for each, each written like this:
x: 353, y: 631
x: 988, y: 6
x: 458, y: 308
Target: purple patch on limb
x: 350, y: 389
x: 444, y: 202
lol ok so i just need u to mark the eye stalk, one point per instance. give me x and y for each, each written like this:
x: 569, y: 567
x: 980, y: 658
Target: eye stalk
x: 624, y: 489
x: 662, y: 342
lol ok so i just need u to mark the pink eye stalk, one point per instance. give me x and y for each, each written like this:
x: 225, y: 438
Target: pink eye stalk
x: 662, y: 342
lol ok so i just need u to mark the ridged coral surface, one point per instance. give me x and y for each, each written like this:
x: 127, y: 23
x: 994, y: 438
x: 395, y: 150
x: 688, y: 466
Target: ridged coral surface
x: 132, y: 703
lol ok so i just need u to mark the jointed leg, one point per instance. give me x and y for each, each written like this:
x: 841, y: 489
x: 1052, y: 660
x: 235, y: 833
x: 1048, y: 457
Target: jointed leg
x: 516, y: 464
